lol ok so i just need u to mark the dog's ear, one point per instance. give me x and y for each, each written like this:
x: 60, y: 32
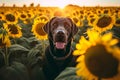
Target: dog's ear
x: 74, y: 27
x: 46, y: 27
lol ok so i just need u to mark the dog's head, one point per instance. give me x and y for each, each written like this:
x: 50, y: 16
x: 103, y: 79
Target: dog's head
x: 60, y: 31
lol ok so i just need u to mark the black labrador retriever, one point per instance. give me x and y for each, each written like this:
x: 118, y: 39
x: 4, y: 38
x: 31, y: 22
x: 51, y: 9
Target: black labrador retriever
x: 58, y: 55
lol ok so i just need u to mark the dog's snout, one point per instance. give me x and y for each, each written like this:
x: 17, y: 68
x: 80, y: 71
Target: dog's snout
x: 60, y: 32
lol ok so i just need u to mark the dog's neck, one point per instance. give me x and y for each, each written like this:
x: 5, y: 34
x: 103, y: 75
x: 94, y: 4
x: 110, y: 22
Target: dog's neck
x: 60, y: 54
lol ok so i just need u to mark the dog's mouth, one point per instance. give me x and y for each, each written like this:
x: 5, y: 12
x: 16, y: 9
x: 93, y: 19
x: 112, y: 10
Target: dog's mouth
x: 60, y: 45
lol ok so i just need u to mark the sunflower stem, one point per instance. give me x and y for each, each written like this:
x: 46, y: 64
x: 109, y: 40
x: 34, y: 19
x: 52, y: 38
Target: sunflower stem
x: 43, y: 44
x: 14, y: 41
x: 6, y: 56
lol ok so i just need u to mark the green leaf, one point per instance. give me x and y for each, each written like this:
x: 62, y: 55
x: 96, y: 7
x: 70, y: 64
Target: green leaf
x: 32, y: 58
x: 68, y: 74
x: 20, y: 69
x: 16, y: 71
x: 17, y: 47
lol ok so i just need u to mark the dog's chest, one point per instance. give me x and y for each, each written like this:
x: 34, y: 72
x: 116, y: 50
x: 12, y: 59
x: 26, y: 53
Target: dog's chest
x: 60, y: 63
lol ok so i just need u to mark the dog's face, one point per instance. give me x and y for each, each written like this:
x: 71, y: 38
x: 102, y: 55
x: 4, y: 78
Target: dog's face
x: 60, y: 31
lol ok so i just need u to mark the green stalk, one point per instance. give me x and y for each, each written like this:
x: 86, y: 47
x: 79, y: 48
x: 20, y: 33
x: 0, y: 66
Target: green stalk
x: 6, y: 56
x: 43, y: 44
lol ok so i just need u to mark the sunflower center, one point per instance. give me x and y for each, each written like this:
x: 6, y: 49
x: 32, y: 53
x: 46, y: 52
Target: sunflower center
x: 39, y: 29
x: 0, y: 17
x: 92, y: 20
x: 104, y: 22
x: 106, y: 11
x: 13, y: 29
x: 100, y: 62
x: 10, y: 17
x: 23, y: 16
x: 117, y: 21
x: 29, y: 15
x: 75, y: 20
x: 91, y: 16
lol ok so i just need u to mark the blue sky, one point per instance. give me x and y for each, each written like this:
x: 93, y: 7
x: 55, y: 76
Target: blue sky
x: 62, y: 2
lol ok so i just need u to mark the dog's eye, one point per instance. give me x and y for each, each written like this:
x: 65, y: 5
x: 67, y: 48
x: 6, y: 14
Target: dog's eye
x: 66, y: 24
x: 55, y: 24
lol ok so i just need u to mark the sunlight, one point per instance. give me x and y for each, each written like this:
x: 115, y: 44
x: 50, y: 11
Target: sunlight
x: 61, y: 5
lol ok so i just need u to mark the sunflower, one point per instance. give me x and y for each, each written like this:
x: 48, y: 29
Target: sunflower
x: 106, y: 11
x: 23, y: 16
x: 91, y: 18
x: 14, y: 30
x: 41, y: 18
x: 30, y: 15
x: 99, y: 59
x: 104, y: 22
x: 99, y: 11
x: 59, y: 13
x: 11, y: 18
x: 4, y: 38
x: 117, y: 22
x: 37, y: 27
x: 77, y: 21
x: 2, y: 17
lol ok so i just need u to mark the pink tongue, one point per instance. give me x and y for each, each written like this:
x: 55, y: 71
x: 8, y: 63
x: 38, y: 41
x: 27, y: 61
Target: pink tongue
x: 60, y: 45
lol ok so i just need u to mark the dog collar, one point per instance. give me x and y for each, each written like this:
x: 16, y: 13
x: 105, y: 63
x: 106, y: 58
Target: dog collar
x: 60, y: 58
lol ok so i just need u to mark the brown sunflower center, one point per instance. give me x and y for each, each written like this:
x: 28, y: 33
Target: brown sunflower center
x: 13, y: 29
x: 39, y: 29
x: 92, y: 20
x: 0, y: 17
x: 23, y: 16
x: 10, y: 17
x: 106, y: 11
x: 91, y: 16
x: 104, y: 22
x: 29, y: 15
x: 100, y: 62
x: 117, y: 21
x: 75, y: 20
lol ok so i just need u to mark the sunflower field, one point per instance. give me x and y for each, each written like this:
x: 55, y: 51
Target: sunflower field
x: 23, y: 42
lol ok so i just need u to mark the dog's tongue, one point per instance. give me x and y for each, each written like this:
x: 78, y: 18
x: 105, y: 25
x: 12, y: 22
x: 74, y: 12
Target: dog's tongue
x: 60, y: 45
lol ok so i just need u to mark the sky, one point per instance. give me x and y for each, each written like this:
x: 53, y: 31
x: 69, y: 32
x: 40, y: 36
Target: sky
x: 61, y: 3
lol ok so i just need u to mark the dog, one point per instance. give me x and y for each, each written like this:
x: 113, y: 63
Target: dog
x: 58, y: 55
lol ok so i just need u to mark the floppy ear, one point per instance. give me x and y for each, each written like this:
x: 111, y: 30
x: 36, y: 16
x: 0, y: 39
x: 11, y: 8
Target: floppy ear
x: 74, y: 27
x: 46, y: 27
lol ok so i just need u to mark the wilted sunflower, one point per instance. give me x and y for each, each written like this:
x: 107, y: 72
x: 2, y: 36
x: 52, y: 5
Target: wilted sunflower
x: 11, y: 18
x: 77, y: 21
x: 103, y: 23
x: 99, y: 59
x: 37, y: 27
x: 14, y: 30
x: 117, y: 22
x: 4, y: 38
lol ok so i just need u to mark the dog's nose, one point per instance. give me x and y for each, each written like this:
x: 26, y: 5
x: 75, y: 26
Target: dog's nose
x: 60, y: 32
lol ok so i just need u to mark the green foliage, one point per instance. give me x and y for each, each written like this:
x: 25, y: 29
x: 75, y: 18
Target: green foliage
x: 16, y: 71
x: 17, y: 47
x: 68, y: 74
